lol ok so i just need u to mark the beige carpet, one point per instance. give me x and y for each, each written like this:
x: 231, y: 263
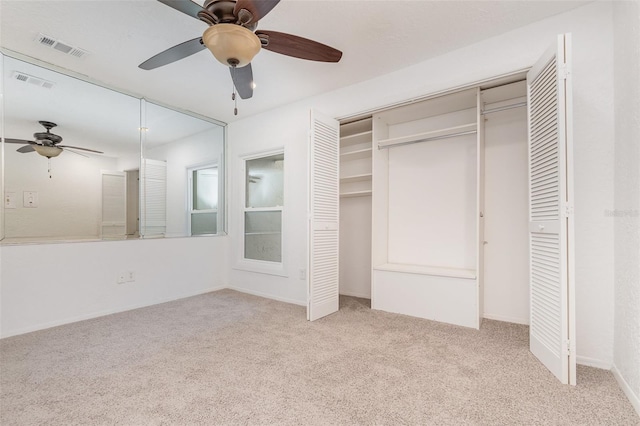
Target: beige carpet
x: 230, y: 358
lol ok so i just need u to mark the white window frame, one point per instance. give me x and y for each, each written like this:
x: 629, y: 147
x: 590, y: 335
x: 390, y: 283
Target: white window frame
x: 252, y: 265
x: 190, y: 209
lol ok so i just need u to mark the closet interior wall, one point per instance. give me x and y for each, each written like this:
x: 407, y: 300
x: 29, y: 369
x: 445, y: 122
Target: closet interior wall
x: 425, y: 193
x: 355, y: 207
x: 438, y: 175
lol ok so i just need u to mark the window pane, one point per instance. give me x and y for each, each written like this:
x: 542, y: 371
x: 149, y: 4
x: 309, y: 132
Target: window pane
x: 204, y: 223
x: 205, y: 189
x: 263, y: 236
x: 265, y: 181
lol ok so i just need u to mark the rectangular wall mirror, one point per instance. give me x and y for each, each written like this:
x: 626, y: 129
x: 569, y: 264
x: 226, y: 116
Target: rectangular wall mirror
x: 84, y: 162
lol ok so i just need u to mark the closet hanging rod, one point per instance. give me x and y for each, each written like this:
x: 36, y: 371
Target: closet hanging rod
x: 503, y: 108
x: 434, y: 138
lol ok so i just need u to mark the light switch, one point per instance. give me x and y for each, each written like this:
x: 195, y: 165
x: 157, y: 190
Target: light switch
x: 30, y: 199
x: 10, y: 200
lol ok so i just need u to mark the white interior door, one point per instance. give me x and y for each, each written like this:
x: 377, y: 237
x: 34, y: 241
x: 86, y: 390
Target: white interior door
x: 324, y: 217
x: 114, y: 204
x: 552, y: 337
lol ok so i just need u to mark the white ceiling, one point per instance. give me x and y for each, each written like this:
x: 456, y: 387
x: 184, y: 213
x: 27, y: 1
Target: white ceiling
x: 377, y: 37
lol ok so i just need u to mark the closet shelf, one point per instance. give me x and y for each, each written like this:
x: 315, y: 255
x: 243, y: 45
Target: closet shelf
x: 428, y: 270
x: 356, y: 138
x: 356, y: 178
x: 355, y: 194
x: 356, y: 155
x: 427, y: 136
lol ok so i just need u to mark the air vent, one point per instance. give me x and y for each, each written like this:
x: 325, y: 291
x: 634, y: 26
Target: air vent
x: 60, y: 46
x: 20, y: 76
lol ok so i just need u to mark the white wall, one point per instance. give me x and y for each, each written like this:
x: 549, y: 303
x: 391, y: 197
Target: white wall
x: 626, y: 209
x: 432, y: 203
x: 69, y: 202
x: 51, y: 284
x: 286, y: 127
x: 592, y: 31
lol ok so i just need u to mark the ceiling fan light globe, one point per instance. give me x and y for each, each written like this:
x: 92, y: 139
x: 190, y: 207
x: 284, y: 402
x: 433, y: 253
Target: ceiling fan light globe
x: 47, y: 151
x: 231, y: 44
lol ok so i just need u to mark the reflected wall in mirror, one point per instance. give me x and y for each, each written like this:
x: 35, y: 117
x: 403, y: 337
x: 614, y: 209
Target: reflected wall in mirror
x: 182, y: 192
x: 73, y: 188
x: 73, y: 166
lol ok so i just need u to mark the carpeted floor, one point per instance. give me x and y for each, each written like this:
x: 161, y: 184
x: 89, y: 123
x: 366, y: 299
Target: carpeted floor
x: 229, y: 358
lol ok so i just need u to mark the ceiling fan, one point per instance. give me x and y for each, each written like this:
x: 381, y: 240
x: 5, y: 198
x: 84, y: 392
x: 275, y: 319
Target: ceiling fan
x: 47, y: 143
x: 234, y: 41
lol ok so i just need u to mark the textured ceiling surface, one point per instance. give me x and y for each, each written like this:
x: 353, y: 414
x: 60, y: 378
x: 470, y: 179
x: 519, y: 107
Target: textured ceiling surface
x: 377, y: 37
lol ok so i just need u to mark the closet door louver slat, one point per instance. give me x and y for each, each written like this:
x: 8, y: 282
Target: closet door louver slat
x: 550, y: 212
x: 324, y: 217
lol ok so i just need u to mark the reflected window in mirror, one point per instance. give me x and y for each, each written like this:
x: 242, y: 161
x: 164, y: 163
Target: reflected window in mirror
x: 203, y: 194
x: 175, y: 146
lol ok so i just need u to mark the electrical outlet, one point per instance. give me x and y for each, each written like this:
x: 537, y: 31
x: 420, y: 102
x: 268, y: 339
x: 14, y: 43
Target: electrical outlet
x: 303, y: 274
x: 121, y: 278
x: 30, y: 199
x: 131, y: 276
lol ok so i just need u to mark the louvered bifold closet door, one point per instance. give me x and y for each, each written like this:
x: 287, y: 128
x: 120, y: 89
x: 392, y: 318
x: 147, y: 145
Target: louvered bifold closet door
x: 323, y: 216
x: 153, y: 216
x: 550, y: 212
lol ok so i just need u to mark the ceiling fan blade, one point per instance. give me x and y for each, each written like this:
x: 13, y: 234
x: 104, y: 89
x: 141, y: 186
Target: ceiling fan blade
x: 173, y: 54
x: 185, y: 6
x: 25, y: 149
x: 257, y: 8
x: 243, y: 80
x: 298, y: 47
x: 81, y: 149
x: 22, y: 141
x: 76, y: 153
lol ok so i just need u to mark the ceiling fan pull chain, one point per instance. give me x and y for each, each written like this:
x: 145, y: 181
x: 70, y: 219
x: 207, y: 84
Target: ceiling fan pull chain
x: 235, y: 100
x: 49, y: 168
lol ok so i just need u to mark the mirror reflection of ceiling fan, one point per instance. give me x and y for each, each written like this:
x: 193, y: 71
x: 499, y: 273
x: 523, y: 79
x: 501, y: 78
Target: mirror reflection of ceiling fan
x: 47, y: 144
x: 234, y: 41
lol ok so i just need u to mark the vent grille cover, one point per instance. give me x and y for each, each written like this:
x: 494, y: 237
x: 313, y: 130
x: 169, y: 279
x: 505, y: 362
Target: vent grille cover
x: 26, y: 78
x: 60, y: 46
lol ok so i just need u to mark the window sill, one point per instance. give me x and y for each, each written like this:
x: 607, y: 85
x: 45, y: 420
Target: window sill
x: 261, y: 267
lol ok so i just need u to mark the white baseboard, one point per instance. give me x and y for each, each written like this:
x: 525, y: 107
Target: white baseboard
x: 633, y: 398
x: 514, y: 320
x: 92, y: 315
x: 268, y: 296
x: 593, y: 362
x: 355, y: 294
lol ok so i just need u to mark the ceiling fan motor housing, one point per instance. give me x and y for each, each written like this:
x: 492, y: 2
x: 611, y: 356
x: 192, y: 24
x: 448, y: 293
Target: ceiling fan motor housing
x: 47, y: 138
